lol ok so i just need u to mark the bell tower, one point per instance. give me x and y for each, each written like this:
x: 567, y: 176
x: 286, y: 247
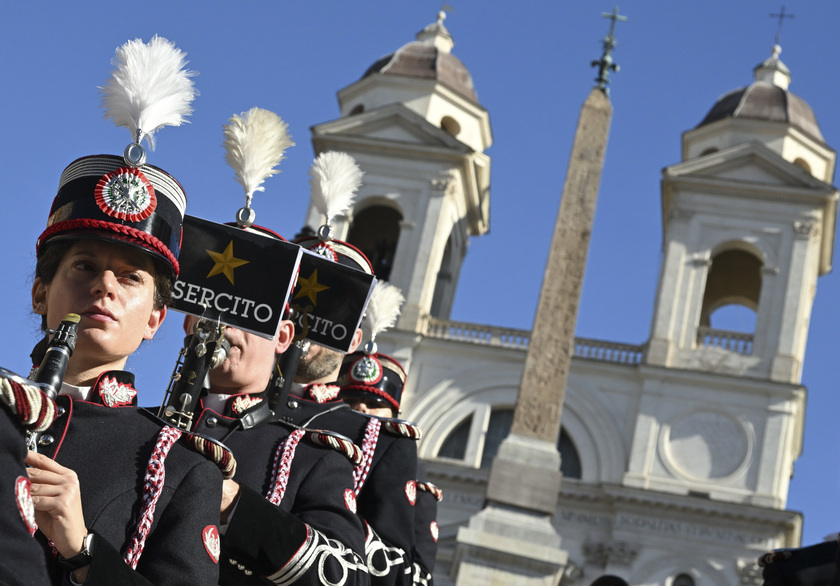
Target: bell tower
x: 415, y: 126
x: 749, y: 218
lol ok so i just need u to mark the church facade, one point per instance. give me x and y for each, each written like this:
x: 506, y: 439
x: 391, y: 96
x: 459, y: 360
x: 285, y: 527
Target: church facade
x: 677, y: 453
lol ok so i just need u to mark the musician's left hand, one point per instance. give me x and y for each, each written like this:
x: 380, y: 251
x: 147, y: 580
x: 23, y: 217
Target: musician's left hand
x: 230, y: 492
x: 57, y: 500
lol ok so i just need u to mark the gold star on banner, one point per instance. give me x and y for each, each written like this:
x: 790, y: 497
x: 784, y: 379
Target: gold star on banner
x: 225, y: 262
x: 310, y: 287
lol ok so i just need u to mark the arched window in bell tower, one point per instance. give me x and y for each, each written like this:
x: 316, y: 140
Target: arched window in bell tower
x: 730, y: 301
x: 375, y: 231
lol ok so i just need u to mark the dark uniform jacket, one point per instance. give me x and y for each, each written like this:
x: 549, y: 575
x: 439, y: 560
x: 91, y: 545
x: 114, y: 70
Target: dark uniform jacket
x: 22, y: 560
x: 109, y: 443
x: 813, y: 565
x: 387, y: 490
x: 312, y: 534
x: 425, y: 532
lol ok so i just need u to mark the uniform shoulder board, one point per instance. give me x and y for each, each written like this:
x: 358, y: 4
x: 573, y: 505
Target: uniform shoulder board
x: 402, y: 428
x: 802, y: 559
x: 431, y: 489
x: 35, y: 410
x: 213, y: 450
x: 338, y: 442
x: 772, y: 557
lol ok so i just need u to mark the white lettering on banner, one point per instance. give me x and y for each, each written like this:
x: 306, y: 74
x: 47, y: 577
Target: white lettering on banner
x: 222, y: 302
x: 325, y: 327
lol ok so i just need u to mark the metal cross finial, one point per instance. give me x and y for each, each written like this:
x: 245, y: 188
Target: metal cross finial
x: 605, y: 64
x: 614, y: 16
x: 781, y: 16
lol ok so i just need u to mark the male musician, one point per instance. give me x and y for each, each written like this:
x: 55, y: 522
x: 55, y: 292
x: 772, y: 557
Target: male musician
x: 372, y: 383
x: 289, y: 514
x: 386, y: 480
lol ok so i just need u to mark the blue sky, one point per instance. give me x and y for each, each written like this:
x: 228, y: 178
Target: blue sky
x: 530, y: 64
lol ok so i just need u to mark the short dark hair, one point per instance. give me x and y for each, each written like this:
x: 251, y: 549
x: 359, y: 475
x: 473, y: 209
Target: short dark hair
x: 52, y: 253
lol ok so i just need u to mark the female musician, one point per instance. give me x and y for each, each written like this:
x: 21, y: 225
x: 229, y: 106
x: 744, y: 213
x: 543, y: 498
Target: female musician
x: 98, y: 485
x: 118, y: 498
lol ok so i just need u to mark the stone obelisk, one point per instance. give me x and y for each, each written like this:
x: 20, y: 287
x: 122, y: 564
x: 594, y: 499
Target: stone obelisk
x: 512, y: 540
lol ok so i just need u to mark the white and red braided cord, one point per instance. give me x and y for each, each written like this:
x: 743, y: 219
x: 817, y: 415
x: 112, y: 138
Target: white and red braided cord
x: 152, y: 487
x: 282, y: 466
x: 361, y: 471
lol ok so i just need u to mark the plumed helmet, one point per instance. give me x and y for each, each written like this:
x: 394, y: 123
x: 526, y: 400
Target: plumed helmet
x: 102, y: 197
x: 372, y: 377
x: 124, y: 199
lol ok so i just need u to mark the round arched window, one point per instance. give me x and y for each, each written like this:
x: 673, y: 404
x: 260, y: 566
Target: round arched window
x: 609, y: 580
x: 450, y: 125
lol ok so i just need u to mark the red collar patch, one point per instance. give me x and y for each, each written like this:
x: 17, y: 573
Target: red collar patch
x: 114, y: 393
x: 242, y: 403
x: 323, y: 393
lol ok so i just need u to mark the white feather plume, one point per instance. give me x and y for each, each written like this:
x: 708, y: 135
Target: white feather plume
x: 383, y: 309
x: 335, y: 177
x: 149, y: 88
x: 254, y: 145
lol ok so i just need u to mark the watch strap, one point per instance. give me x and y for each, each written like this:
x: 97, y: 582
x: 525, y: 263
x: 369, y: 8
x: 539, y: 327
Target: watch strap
x: 81, y: 559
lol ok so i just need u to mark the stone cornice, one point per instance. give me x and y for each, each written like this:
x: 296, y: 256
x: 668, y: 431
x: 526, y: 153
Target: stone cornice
x: 611, y: 498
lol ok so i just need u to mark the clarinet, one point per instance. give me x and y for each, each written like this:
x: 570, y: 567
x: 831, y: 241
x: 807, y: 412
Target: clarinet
x: 205, y: 348
x: 50, y: 373
x: 281, y: 381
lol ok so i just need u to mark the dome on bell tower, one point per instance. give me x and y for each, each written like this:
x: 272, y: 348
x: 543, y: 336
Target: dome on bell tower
x: 424, y: 77
x: 767, y: 98
x: 768, y: 113
x: 429, y: 57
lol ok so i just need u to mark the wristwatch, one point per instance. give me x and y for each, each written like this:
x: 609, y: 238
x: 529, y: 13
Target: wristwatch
x: 81, y: 559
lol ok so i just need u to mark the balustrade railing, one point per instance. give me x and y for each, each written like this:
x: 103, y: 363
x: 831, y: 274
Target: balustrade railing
x: 738, y: 342
x: 519, y: 339
x: 609, y: 351
x: 477, y: 334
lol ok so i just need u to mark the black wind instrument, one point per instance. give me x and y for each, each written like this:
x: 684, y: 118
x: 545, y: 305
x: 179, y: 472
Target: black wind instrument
x: 204, y: 349
x: 50, y: 373
x: 284, y: 374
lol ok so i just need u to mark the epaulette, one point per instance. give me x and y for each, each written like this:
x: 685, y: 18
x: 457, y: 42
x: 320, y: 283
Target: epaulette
x: 431, y: 489
x: 792, y: 560
x: 772, y: 557
x: 338, y: 442
x: 402, y: 428
x: 213, y: 450
x: 35, y: 410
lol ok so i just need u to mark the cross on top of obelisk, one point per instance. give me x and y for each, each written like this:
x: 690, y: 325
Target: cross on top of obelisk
x: 781, y: 16
x: 614, y: 16
x: 605, y: 63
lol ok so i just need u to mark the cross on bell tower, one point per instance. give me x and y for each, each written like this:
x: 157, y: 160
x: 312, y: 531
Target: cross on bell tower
x: 781, y: 15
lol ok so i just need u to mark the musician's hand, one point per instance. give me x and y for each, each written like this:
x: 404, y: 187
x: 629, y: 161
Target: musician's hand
x: 57, y: 499
x: 230, y: 492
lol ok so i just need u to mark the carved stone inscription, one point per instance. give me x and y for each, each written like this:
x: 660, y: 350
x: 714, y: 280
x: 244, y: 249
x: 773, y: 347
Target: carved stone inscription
x: 668, y: 527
